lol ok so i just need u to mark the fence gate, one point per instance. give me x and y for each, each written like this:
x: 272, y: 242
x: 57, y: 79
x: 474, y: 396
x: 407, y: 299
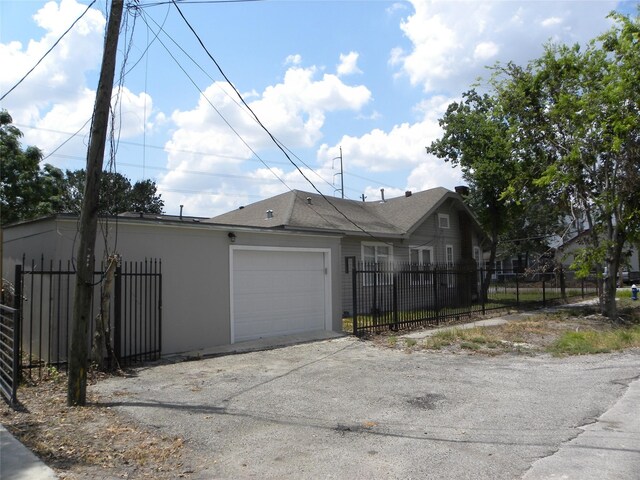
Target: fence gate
x: 9, y: 353
x: 46, y: 307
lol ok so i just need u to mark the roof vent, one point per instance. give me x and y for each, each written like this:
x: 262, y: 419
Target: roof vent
x: 269, y: 214
x: 309, y: 200
x: 408, y: 193
x: 240, y: 207
x: 382, y: 194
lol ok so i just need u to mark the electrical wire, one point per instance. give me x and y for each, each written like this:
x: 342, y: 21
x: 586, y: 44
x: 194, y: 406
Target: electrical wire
x: 233, y: 99
x: 48, y: 51
x: 266, y: 130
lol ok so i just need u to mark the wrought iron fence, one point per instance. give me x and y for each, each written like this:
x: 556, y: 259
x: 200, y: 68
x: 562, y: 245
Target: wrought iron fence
x: 394, y: 296
x: 46, y: 308
x: 9, y: 366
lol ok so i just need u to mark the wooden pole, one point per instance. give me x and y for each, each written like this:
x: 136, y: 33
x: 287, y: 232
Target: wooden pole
x: 78, y: 355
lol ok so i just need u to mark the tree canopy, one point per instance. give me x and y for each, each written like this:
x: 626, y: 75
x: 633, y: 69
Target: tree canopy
x: 29, y: 190
x: 562, y: 131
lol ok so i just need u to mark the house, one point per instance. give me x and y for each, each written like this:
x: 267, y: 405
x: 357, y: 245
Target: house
x: 429, y: 227
x: 220, y: 284
x: 630, y: 262
x: 277, y: 267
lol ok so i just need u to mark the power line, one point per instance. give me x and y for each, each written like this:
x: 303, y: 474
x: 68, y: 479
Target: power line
x: 47, y: 52
x: 275, y: 141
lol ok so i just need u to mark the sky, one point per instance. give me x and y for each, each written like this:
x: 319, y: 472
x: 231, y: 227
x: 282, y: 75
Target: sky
x: 360, y: 84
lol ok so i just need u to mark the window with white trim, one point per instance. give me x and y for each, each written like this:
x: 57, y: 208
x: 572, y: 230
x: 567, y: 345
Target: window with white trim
x: 421, y: 255
x: 449, y: 258
x: 449, y: 254
x: 378, y: 256
x: 443, y: 220
x: 477, y: 256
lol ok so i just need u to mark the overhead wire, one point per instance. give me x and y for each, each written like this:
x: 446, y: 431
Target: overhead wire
x: 55, y: 44
x: 268, y: 132
x: 233, y: 99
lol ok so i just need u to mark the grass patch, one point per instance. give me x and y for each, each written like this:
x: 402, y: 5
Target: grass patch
x: 589, y: 342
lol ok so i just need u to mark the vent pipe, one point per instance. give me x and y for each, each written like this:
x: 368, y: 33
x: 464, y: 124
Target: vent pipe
x: 382, y: 194
x: 309, y: 200
x: 269, y: 214
x: 181, y: 206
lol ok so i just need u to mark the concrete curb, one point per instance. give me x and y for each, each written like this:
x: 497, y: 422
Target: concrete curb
x: 17, y: 462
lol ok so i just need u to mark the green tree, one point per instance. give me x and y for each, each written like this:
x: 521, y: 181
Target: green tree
x: 117, y: 195
x: 26, y: 190
x: 575, y: 126
x: 475, y: 138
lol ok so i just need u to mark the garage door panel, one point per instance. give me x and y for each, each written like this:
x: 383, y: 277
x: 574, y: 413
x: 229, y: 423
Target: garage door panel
x: 278, y: 293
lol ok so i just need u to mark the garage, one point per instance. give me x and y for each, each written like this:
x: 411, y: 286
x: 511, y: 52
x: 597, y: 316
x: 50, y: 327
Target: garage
x: 279, y: 291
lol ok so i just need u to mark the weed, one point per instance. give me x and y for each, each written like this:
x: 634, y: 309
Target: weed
x: 411, y: 342
x: 469, y: 346
x: 393, y: 341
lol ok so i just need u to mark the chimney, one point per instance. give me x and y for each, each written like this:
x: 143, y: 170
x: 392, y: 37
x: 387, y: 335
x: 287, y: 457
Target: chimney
x: 382, y: 194
x: 462, y: 190
x: 408, y: 193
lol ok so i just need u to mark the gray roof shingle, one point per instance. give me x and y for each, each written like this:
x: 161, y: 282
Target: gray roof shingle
x: 310, y: 211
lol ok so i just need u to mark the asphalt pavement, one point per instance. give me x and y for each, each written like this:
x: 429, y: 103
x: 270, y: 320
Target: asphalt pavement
x: 344, y: 408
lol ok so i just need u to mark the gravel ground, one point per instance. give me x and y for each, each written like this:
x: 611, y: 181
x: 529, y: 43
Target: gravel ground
x: 348, y: 409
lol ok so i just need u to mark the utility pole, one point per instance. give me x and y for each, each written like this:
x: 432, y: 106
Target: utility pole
x: 341, y: 173
x: 78, y: 355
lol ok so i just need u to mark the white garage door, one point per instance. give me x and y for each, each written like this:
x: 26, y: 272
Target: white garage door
x: 277, y: 292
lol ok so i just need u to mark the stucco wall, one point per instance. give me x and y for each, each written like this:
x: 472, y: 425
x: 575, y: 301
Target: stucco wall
x: 195, y: 267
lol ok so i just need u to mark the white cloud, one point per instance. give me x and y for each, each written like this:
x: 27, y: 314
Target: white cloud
x: 451, y: 42
x: 551, y: 22
x: 60, y: 77
x: 294, y: 111
x: 293, y: 60
x: 485, y: 51
x: 348, y: 64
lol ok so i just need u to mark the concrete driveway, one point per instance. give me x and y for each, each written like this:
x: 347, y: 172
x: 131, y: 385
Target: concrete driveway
x: 346, y: 409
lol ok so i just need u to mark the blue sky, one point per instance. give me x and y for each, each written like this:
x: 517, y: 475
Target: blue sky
x: 372, y: 77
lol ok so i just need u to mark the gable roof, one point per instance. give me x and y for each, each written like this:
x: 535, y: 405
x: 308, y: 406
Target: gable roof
x: 395, y: 217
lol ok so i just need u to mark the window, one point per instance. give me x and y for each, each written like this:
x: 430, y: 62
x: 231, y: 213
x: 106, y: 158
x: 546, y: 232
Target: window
x: 443, y: 220
x: 420, y: 255
x: 449, y: 254
x: 380, y: 256
x: 477, y: 256
x: 376, y: 253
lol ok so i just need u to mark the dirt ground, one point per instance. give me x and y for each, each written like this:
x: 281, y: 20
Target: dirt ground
x: 95, y: 442
x: 88, y: 442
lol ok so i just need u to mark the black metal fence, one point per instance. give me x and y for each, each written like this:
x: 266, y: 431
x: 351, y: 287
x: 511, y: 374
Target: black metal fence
x: 408, y: 296
x: 9, y: 348
x: 45, y: 308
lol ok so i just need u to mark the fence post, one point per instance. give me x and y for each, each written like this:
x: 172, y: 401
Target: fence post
x: 517, y: 290
x: 354, y: 285
x: 17, y: 334
x: 482, y: 291
x: 395, y: 301
x: 544, y: 296
x: 117, y: 314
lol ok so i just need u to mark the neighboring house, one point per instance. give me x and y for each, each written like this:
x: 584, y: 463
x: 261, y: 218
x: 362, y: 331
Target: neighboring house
x: 630, y: 263
x: 429, y: 227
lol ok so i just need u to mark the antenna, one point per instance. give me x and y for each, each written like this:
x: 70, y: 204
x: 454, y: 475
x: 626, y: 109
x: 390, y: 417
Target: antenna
x: 341, y: 189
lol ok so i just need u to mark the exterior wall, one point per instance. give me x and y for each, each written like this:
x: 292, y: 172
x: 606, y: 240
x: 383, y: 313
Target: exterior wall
x: 428, y: 234
x: 195, y: 266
